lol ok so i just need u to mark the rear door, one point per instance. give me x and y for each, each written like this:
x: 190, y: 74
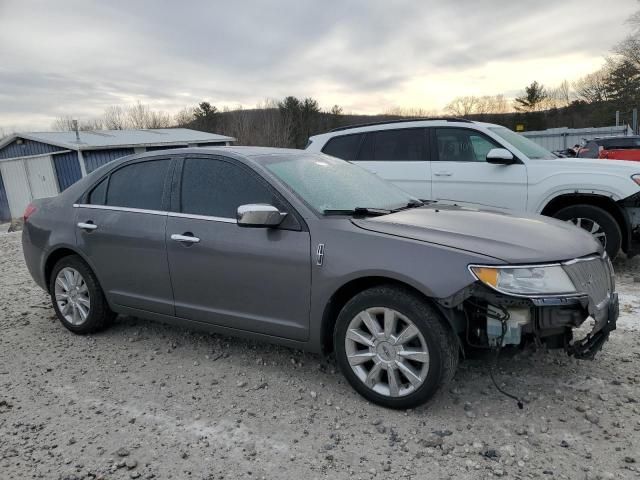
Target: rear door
x: 397, y: 155
x: 255, y: 279
x: 461, y: 174
x: 121, y: 230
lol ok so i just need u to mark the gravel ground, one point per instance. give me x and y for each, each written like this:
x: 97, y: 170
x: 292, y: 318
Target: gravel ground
x: 144, y: 400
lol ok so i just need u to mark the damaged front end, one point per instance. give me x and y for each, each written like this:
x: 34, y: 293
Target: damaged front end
x: 488, y: 318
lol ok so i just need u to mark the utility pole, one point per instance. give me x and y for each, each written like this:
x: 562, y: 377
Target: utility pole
x: 617, y: 118
x: 635, y: 121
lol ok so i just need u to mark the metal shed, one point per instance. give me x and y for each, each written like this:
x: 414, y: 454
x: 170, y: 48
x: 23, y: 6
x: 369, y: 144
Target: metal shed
x: 38, y: 165
x: 563, y: 137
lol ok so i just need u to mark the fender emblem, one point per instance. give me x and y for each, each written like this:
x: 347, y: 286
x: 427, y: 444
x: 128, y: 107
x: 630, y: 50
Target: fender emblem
x: 320, y: 254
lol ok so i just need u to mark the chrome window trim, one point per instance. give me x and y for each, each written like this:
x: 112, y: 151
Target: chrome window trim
x: 202, y: 217
x: 156, y: 212
x: 119, y: 209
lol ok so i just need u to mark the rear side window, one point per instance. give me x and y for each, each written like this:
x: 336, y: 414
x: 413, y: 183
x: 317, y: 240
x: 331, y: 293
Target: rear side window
x: 99, y: 194
x: 344, y: 147
x: 140, y: 185
x: 217, y: 188
x: 404, y: 144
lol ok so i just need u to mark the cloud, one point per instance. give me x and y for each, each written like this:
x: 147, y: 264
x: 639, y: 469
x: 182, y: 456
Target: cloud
x: 77, y: 57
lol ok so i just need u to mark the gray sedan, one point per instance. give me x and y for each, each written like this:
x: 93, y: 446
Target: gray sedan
x: 312, y: 252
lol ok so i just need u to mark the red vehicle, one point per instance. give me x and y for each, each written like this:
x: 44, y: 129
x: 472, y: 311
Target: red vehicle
x: 612, y: 148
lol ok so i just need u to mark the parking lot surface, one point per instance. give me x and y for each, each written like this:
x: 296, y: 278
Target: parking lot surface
x: 145, y: 400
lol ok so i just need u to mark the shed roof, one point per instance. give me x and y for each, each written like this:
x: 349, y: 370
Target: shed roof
x: 99, y: 139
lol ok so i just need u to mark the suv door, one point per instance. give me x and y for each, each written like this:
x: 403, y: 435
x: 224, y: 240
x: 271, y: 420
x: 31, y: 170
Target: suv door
x: 398, y: 155
x: 121, y: 231
x: 461, y: 174
x: 254, y: 279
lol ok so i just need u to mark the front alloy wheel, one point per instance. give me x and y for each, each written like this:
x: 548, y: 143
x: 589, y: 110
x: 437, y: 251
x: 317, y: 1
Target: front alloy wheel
x: 393, y: 347
x: 387, y: 352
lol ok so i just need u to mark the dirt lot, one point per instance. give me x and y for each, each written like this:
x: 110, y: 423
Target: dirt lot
x: 144, y: 400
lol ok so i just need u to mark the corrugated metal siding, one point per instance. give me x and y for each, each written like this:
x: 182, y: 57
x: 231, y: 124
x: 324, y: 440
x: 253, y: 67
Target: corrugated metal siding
x: 96, y: 158
x: 28, y: 147
x: 67, y: 169
x: 562, y: 138
x: 5, y: 212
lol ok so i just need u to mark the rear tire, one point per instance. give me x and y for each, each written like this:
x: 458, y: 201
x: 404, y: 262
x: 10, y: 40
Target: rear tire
x: 597, y: 221
x: 77, y: 296
x: 386, y: 365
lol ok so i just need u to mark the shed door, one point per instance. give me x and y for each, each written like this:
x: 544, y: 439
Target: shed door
x: 16, y: 185
x: 42, y: 178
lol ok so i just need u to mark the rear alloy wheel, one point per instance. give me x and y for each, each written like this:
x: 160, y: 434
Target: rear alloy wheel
x: 77, y: 297
x: 598, y: 222
x: 393, y: 348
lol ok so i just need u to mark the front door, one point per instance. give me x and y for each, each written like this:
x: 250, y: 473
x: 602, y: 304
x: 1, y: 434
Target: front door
x: 461, y: 175
x: 254, y: 279
x: 121, y: 231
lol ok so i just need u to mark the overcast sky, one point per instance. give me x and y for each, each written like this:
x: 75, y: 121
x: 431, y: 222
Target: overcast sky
x: 78, y: 57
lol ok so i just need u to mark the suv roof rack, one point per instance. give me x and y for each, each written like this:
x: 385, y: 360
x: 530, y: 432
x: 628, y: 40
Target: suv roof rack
x: 404, y: 120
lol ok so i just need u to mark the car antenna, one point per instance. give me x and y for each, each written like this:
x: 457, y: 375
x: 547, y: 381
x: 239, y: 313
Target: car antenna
x: 494, y: 363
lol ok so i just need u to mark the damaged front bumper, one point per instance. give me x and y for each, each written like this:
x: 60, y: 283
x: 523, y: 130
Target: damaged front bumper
x: 587, y: 347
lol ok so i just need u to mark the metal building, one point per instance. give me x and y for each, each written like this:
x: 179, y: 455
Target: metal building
x: 37, y: 165
x: 562, y: 138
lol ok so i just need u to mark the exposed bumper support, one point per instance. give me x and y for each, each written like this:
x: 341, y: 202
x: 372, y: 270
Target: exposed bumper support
x: 592, y: 343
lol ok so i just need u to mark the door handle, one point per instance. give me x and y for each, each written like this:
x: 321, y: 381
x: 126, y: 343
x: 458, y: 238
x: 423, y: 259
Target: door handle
x: 186, y: 238
x: 87, y: 225
x: 443, y: 174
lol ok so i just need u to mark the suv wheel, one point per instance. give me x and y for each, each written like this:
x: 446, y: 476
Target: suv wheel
x: 393, y: 348
x: 77, y: 297
x: 596, y: 221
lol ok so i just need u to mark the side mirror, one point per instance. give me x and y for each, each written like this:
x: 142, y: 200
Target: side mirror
x: 500, y: 156
x: 259, y: 215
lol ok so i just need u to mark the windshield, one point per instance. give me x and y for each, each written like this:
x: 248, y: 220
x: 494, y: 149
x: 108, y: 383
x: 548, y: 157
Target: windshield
x: 530, y: 149
x: 329, y: 184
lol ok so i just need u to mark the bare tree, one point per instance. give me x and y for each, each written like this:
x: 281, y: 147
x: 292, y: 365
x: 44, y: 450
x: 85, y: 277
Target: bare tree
x: 114, y: 118
x: 184, y: 117
x: 592, y: 88
x: 65, y: 123
x: 462, y: 106
x: 138, y: 115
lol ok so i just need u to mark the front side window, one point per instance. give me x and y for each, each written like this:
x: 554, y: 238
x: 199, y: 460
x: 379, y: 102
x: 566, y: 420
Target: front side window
x: 139, y: 185
x: 344, y: 147
x: 216, y: 188
x: 462, y: 145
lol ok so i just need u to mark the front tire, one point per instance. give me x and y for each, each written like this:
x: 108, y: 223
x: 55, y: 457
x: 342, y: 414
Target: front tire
x: 596, y: 221
x: 393, y: 347
x: 77, y: 296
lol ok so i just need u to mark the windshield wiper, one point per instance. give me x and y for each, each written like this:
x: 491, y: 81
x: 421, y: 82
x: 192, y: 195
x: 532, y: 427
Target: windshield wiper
x: 410, y: 204
x: 359, y: 212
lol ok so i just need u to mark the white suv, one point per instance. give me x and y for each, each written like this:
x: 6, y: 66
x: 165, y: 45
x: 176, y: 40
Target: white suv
x: 482, y: 165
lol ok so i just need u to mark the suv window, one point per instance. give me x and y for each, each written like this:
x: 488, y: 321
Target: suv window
x: 398, y: 144
x: 140, y: 185
x: 463, y: 145
x: 344, y: 147
x: 216, y: 188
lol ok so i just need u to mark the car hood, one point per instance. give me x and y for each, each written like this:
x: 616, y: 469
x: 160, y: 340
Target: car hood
x: 512, y: 239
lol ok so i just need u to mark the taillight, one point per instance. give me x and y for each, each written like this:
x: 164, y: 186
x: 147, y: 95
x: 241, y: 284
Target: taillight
x: 30, y: 210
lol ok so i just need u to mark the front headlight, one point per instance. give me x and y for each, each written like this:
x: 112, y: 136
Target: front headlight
x: 543, y: 280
